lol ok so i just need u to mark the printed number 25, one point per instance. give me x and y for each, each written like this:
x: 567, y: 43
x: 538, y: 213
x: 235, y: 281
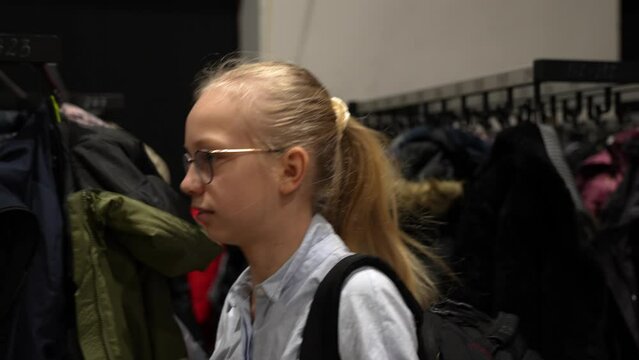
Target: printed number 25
x: 14, y: 47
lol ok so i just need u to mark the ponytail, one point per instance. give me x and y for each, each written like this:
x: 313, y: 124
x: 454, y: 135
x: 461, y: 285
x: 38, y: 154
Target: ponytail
x: 363, y: 210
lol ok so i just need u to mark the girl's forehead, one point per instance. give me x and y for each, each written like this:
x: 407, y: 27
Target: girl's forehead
x: 216, y: 103
x: 222, y: 102
x: 216, y: 121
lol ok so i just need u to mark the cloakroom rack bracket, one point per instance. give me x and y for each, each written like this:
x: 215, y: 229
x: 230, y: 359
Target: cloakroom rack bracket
x: 43, y: 51
x: 541, y: 72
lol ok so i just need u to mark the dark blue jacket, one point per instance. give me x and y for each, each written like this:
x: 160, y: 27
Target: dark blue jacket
x: 36, y: 319
x: 442, y: 153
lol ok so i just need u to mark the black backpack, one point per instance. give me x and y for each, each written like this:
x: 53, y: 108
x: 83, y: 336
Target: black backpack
x: 447, y: 331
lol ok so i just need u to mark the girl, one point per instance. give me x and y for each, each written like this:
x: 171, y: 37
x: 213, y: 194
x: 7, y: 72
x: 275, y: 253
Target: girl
x: 280, y: 169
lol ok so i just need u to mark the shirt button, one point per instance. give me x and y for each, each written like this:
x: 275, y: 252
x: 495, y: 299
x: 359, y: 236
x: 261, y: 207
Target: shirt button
x: 259, y: 291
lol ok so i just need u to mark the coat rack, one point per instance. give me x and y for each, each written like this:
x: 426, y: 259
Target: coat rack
x: 539, y: 83
x: 42, y: 51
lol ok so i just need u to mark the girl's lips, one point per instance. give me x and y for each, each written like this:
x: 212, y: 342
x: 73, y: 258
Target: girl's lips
x: 200, y: 215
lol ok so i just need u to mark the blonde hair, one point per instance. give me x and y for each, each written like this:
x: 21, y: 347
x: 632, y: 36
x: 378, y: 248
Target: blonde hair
x: 353, y: 185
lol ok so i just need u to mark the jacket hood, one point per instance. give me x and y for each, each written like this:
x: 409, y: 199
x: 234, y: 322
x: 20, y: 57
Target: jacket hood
x: 431, y: 197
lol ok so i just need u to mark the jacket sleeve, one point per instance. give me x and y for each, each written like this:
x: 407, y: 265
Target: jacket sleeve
x: 157, y: 239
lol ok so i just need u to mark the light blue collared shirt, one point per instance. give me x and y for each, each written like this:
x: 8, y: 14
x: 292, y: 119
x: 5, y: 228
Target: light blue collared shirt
x: 374, y: 322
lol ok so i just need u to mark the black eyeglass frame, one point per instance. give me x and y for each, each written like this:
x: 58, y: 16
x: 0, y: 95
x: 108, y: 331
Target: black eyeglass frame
x: 207, y: 178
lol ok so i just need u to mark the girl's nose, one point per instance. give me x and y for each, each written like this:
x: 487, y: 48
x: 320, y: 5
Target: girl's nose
x: 191, y: 184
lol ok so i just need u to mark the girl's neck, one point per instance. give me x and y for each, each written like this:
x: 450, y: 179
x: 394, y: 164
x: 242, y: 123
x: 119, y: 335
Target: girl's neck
x: 266, y: 255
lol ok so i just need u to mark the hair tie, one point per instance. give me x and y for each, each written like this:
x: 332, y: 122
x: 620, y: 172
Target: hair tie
x: 342, y: 115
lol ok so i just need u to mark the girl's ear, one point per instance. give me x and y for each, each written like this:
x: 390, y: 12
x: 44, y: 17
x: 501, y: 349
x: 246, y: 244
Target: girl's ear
x: 294, y: 166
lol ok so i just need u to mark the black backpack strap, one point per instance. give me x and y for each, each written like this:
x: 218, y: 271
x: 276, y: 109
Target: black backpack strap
x: 320, y: 337
x: 505, y: 328
x: 505, y: 335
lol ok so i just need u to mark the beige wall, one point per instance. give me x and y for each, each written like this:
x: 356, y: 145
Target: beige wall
x: 363, y: 49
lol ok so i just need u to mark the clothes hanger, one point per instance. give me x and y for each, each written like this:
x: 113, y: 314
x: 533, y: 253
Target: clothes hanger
x: 609, y: 118
x: 491, y: 116
x: 525, y: 112
x: 420, y: 116
x: 511, y: 118
x: 571, y: 114
x: 58, y: 88
x: 503, y: 112
x: 471, y: 118
x: 595, y: 111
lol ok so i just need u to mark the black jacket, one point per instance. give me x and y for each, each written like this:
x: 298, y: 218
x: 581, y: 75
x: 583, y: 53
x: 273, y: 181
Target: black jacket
x: 522, y: 252
x: 114, y: 160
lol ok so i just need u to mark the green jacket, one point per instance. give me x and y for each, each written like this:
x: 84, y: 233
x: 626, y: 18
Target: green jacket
x: 123, y: 252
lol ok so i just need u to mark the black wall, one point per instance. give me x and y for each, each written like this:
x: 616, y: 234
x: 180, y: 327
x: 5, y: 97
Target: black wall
x: 630, y: 30
x: 148, y: 52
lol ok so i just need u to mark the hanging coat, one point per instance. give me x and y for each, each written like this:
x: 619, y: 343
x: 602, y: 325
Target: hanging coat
x: 114, y: 160
x: 123, y: 253
x: 35, y: 321
x: 520, y: 237
x: 618, y: 253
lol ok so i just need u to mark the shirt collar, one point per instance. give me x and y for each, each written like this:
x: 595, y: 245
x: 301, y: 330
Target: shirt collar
x: 318, y: 229
x: 272, y: 287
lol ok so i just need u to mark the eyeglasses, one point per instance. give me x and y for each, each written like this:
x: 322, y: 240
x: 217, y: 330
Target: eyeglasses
x: 204, y: 160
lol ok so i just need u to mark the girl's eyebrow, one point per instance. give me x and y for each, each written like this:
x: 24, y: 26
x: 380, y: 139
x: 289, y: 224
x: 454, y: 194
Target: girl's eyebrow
x: 208, y: 144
